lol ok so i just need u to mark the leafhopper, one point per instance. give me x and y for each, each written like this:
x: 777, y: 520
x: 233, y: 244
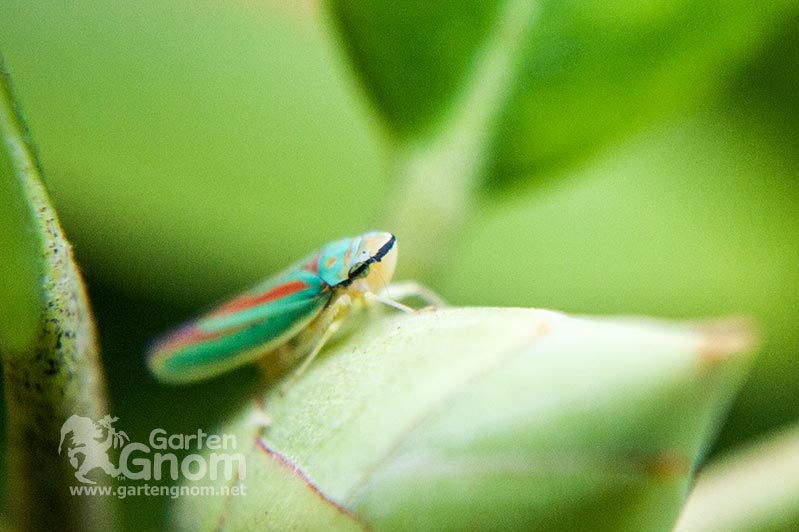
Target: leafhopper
x: 297, y: 310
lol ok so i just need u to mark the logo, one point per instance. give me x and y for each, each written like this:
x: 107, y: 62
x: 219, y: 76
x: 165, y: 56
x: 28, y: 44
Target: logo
x: 88, y: 441
x: 88, y: 446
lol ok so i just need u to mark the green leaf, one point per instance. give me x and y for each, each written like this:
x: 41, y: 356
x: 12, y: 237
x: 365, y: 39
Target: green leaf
x: 584, y: 72
x: 594, y: 71
x: 486, y: 418
x: 413, y: 56
x: 47, y: 343
x: 754, y: 489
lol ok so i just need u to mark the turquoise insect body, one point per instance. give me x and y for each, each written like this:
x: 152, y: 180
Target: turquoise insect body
x: 298, y: 307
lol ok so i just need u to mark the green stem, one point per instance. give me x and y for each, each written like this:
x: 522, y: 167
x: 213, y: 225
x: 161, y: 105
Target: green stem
x: 438, y: 174
x: 57, y: 373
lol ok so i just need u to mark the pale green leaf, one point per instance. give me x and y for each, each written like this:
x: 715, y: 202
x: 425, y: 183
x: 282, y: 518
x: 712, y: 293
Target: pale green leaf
x: 753, y: 489
x: 486, y: 418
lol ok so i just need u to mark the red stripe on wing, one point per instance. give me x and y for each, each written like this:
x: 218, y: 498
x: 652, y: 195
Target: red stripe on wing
x: 247, y: 301
x: 186, y: 335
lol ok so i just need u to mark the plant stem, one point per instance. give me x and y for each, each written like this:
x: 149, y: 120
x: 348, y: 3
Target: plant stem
x: 438, y: 175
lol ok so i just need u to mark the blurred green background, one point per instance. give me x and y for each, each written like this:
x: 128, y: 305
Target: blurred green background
x: 638, y: 159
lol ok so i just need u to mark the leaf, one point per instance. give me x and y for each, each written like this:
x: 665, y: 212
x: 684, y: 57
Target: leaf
x: 47, y: 343
x: 595, y: 71
x: 413, y: 56
x: 749, y: 490
x: 584, y: 72
x: 487, y: 418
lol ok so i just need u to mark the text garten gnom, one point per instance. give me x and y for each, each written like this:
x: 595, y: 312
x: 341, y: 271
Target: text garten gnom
x: 141, y: 462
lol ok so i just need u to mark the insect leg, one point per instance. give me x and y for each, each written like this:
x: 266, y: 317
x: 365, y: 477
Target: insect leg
x: 406, y: 289
x: 330, y: 322
x: 389, y: 302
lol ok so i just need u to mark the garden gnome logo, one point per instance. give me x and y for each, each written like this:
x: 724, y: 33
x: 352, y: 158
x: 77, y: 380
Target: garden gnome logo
x: 91, y: 441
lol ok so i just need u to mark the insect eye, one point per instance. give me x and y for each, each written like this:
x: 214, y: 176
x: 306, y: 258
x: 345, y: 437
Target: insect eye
x: 358, y: 270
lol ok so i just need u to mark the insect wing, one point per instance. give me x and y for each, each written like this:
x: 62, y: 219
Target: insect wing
x: 242, y: 329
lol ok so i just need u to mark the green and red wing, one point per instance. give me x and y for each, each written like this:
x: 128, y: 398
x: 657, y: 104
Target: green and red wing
x: 243, y: 329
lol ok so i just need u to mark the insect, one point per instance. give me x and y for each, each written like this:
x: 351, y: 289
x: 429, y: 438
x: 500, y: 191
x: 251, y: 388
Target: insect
x: 297, y: 310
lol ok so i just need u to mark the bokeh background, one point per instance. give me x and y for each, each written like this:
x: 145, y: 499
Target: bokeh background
x: 636, y: 159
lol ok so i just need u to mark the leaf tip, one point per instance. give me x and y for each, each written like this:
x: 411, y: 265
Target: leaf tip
x: 727, y: 338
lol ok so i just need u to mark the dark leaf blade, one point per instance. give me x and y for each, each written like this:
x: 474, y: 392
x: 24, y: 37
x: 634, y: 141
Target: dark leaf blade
x: 594, y: 72
x: 413, y: 56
